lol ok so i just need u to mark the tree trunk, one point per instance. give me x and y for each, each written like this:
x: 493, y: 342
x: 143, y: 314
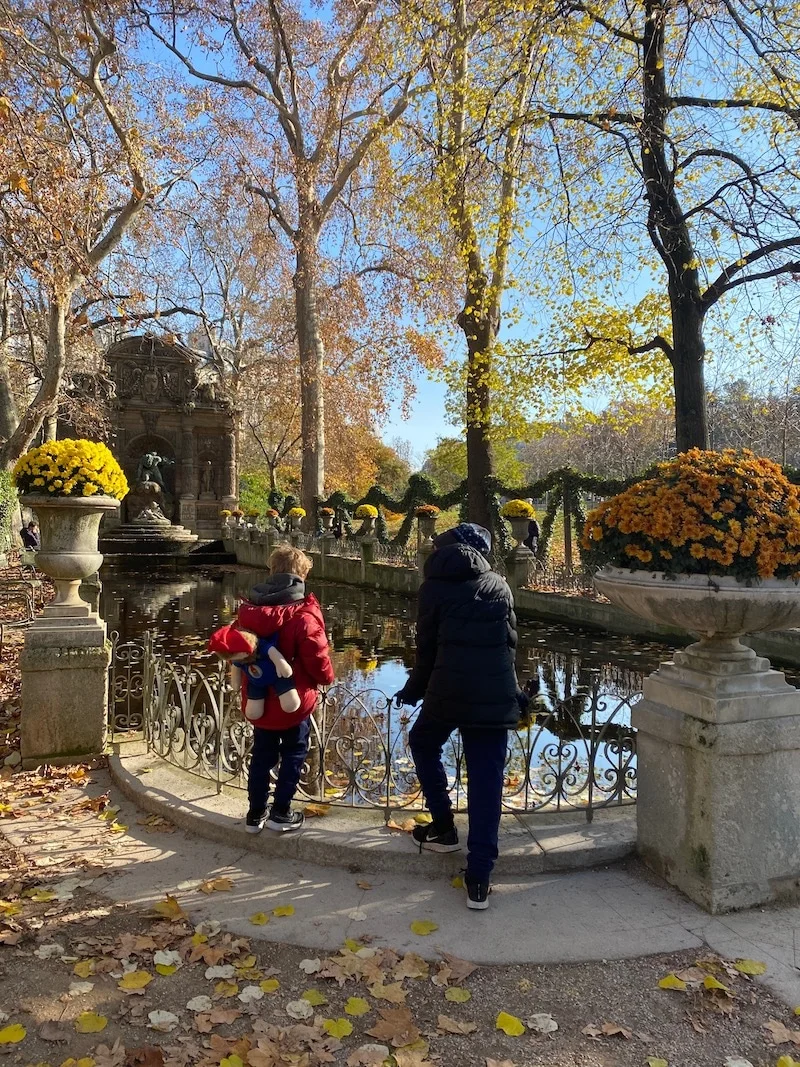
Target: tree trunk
x: 688, y: 369
x: 312, y: 370
x: 9, y: 416
x: 47, y: 394
x: 50, y: 428
x: 480, y: 336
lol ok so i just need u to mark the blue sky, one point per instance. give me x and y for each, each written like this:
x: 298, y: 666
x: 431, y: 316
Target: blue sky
x: 427, y: 421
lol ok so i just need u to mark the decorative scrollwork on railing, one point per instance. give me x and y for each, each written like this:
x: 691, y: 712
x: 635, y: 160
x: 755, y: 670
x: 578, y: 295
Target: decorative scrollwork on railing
x: 579, y: 754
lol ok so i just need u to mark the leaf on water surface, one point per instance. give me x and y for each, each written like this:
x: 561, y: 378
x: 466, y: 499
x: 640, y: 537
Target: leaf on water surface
x: 510, y: 1025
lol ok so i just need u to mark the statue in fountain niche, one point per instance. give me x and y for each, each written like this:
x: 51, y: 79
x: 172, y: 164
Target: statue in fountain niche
x: 149, y: 470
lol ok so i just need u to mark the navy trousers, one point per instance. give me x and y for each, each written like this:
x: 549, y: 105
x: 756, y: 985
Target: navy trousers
x: 290, y: 748
x: 485, y: 755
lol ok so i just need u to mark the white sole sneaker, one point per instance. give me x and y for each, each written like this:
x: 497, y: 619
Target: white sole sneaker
x: 285, y: 828
x: 477, y: 905
x: 257, y: 828
x: 434, y: 846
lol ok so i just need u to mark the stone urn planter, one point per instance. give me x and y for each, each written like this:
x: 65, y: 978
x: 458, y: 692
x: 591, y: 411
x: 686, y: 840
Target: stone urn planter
x: 367, y: 527
x: 718, y: 610
x: 426, y: 524
x: 69, y: 530
x: 327, y: 522
x: 519, y: 530
x: 718, y: 739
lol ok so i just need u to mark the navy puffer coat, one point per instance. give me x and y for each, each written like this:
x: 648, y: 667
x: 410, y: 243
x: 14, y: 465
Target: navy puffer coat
x: 466, y: 643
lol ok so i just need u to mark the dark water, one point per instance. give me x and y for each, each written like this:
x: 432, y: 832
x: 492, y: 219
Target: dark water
x: 372, y: 634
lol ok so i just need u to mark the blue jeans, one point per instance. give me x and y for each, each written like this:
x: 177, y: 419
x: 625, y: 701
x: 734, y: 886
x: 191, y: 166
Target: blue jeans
x: 290, y: 747
x: 485, y: 755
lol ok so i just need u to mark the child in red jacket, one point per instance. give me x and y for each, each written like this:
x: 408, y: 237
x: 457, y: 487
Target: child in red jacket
x: 280, y: 607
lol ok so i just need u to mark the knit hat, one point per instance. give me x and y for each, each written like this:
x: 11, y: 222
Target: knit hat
x: 466, y: 533
x: 230, y: 640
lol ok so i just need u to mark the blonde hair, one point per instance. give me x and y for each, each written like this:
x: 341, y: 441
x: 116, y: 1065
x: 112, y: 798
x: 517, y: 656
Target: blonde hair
x: 286, y: 559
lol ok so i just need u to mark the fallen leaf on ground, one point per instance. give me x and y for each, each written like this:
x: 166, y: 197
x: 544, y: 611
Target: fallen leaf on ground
x: 163, y: 1021
x: 457, y: 882
x: 780, y: 1034
x: 216, y: 885
x: 12, y: 1035
x: 83, y: 968
x: 134, y: 981
x: 270, y: 985
x: 509, y: 1024
x: 356, y: 1006
x: 453, y: 1026
x: 251, y: 993
x: 457, y: 995
x: 750, y: 967
x: 653, y: 1061
x: 169, y: 908
x: 542, y: 1022
x: 283, y: 910
x: 221, y: 970
x: 89, y: 1022
x: 395, y: 1026
x: 259, y: 919
x: 316, y: 811
x: 337, y: 1027
x: 499, y: 1063
x: 201, y: 1003
x: 671, y: 981
x: 299, y: 1009
x: 167, y: 961
x: 736, y: 1061
x: 314, y: 998
x: 54, y: 1031
x: 364, y: 885
x: 79, y: 989
x: 404, y: 827
x: 459, y: 969
x: 712, y: 983
x: 697, y: 1026
x: 369, y: 1056
x: 147, y: 1056
x: 310, y: 966
x: 226, y: 989
x: 393, y: 992
x: 787, y: 1061
x: 423, y: 927
x: 607, y: 1030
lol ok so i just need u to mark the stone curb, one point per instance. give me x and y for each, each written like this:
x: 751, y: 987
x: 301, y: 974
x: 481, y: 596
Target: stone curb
x: 357, y: 840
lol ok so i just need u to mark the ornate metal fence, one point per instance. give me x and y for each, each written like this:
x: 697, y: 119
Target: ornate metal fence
x: 580, y: 754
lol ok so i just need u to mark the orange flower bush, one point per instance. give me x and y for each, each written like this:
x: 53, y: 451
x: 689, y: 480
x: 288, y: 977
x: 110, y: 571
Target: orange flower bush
x: 718, y: 513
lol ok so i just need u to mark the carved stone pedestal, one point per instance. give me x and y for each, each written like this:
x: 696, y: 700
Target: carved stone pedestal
x: 718, y: 749
x: 64, y: 687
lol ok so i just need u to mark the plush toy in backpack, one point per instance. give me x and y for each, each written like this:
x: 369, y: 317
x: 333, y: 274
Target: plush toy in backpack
x: 265, y: 666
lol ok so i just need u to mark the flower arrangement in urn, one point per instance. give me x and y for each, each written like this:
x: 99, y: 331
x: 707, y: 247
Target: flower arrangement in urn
x: 518, y: 509
x: 70, y: 484
x: 427, y: 511
x: 366, y: 511
x: 727, y: 514
x: 70, y: 468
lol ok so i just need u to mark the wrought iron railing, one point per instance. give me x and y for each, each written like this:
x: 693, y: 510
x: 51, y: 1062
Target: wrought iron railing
x: 580, y: 754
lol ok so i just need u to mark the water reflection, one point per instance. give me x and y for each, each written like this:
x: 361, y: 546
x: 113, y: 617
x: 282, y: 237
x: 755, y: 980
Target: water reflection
x: 372, y: 634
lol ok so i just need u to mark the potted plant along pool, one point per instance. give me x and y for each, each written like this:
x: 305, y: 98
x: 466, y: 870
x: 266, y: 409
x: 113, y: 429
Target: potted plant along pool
x: 710, y: 543
x: 426, y: 515
x: 295, y: 517
x: 71, y: 485
x: 368, y: 514
x: 519, y: 514
x: 327, y: 515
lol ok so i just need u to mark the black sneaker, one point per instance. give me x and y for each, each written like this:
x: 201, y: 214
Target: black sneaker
x: 254, y: 823
x: 428, y: 837
x: 285, y: 821
x: 477, y: 894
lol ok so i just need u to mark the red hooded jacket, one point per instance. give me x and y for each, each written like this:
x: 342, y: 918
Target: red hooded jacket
x: 302, y: 640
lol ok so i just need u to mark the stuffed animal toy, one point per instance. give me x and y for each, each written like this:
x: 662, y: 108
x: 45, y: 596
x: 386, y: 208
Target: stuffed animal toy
x: 263, y: 663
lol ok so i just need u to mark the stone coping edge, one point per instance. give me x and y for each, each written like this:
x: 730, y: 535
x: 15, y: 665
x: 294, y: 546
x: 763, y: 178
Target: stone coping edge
x: 369, y: 850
